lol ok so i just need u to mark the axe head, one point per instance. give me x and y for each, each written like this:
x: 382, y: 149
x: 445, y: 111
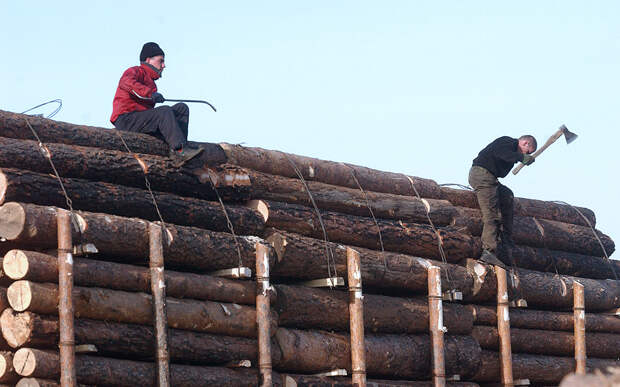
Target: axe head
x: 568, y: 135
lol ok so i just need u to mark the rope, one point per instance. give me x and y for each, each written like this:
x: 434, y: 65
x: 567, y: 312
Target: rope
x: 328, y: 252
x: 52, y: 114
x: 457, y: 185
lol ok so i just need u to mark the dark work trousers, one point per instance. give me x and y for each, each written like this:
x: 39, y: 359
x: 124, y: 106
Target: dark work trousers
x: 496, y: 204
x: 168, y: 123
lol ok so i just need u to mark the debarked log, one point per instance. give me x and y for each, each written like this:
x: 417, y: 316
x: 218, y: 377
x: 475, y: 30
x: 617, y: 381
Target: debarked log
x: 561, y: 212
x: 546, y: 342
x: 545, y: 319
x: 125, y: 169
x: 408, y: 238
x: 43, y: 189
x: 552, y: 291
x: 188, y: 247
x: 101, y: 371
x: 307, y: 308
x: 27, y: 329
x: 537, y: 368
x: 136, y: 308
x: 393, y: 356
x: 39, y: 267
x: 300, y: 257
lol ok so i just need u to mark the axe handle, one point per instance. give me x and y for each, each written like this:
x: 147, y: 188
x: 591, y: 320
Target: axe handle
x: 540, y: 150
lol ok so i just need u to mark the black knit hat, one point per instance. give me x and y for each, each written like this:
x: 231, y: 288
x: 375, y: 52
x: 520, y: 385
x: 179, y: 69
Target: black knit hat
x: 149, y: 50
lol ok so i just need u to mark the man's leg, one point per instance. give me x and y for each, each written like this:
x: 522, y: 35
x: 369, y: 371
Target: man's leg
x: 160, y: 120
x: 486, y: 187
x: 181, y: 113
x: 506, y: 204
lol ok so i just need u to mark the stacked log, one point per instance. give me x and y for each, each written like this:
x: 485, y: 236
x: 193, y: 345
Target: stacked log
x: 308, y: 211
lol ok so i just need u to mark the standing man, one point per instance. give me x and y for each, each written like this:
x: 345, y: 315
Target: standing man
x: 495, y: 199
x: 133, y: 108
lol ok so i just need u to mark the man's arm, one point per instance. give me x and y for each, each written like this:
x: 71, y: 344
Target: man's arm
x: 129, y: 82
x: 506, y: 153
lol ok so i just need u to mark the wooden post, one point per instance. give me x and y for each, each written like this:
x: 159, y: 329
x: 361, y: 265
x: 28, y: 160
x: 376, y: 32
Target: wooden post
x: 158, y: 289
x: 503, y: 327
x: 356, y: 318
x: 579, y: 315
x: 263, y: 314
x: 435, y: 314
x: 65, y: 300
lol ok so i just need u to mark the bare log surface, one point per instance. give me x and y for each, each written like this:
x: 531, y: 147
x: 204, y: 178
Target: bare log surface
x: 190, y: 248
x: 393, y: 356
x: 307, y: 308
x: 408, y: 238
x: 125, y: 169
x: 545, y: 342
x: 40, y: 267
x: 43, y: 189
x: 305, y: 258
x: 114, y: 305
x: 537, y: 368
x: 545, y: 319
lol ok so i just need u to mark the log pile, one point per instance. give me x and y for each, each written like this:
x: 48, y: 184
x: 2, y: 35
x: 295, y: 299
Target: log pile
x: 308, y: 212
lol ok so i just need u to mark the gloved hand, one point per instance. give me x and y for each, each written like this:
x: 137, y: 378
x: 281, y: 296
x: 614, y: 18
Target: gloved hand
x: 157, y: 97
x: 528, y: 159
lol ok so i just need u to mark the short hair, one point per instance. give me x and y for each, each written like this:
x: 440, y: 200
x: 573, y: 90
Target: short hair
x: 532, y: 140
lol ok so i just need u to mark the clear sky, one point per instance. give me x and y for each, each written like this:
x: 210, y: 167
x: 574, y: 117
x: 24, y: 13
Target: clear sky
x: 405, y: 86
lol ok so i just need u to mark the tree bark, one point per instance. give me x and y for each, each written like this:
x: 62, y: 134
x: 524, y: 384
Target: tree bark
x: 103, y: 371
x: 305, y: 258
x: 527, y: 207
x: 135, y: 308
x: 125, y: 169
x: 407, y: 238
x: 537, y: 368
x: 545, y: 320
x: 7, y: 372
x: 40, y: 267
x: 392, y: 356
x: 546, y: 342
x: 41, y: 189
x: 35, y: 226
x: 308, y: 308
x: 14, y: 125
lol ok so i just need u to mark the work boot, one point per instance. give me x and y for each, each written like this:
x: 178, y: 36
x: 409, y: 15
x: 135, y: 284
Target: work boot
x: 185, y: 154
x: 490, y: 258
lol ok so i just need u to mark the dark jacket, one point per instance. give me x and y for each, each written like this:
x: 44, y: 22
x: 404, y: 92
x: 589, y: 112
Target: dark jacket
x: 138, y: 79
x: 499, y: 156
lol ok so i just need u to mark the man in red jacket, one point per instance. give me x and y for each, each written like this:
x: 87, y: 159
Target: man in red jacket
x: 133, y: 108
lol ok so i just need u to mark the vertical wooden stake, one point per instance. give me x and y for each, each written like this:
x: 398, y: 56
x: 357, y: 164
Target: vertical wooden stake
x: 435, y: 310
x: 263, y: 314
x: 579, y: 315
x: 158, y: 289
x: 65, y: 300
x: 356, y: 318
x: 503, y: 327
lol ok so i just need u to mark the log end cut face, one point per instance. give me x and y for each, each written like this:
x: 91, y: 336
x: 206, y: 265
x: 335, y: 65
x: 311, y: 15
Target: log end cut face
x: 25, y: 362
x: 3, y: 186
x: 12, y: 220
x: 19, y: 295
x: 15, y: 264
x: 16, y: 327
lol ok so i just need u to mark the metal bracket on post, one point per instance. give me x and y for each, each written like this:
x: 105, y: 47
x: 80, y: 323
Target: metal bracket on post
x: 452, y: 295
x: 65, y: 300
x: 336, y: 372
x: 331, y: 282
x: 520, y: 303
x: 234, y: 273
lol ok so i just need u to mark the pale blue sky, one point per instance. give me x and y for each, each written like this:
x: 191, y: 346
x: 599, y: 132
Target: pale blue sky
x: 406, y: 86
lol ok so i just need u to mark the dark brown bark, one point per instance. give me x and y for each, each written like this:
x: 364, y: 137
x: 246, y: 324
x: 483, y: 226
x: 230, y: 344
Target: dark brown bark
x: 408, y: 238
x: 191, y: 248
x: 14, y: 125
x: 536, y: 368
x: 40, y: 267
x: 350, y: 201
x: 546, y: 320
x: 134, y: 341
x: 307, y: 308
x: 7, y: 372
x: 123, y: 168
x: 44, y: 189
x: 103, y: 371
x: 393, y: 356
x: 136, y: 308
x: 329, y: 172
x: 305, y: 258
x: 527, y: 207
x: 545, y: 342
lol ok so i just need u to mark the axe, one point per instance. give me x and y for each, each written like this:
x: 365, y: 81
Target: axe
x: 568, y: 135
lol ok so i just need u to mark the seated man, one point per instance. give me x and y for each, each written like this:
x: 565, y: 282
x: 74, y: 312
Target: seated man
x: 495, y: 199
x: 133, y: 108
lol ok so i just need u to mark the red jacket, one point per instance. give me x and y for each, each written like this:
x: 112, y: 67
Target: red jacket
x: 139, y: 80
